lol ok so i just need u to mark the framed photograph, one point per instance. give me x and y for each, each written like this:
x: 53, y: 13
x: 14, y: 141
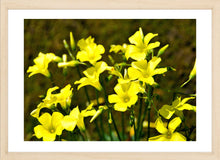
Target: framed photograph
x: 97, y: 82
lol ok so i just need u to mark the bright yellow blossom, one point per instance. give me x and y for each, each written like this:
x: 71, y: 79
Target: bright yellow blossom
x: 118, y: 48
x: 50, y: 126
x: 89, y: 51
x: 92, y: 75
x: 139, y: 50
x: 177, y: 107
x: 126, y: 96
x: 144, y: 71
x: 41, y: 64
x: 63, y: 98
x: 168, y: 134
x: 76, y: 118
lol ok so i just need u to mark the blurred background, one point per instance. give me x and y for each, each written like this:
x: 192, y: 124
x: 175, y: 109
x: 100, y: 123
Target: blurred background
x: 47, y: 36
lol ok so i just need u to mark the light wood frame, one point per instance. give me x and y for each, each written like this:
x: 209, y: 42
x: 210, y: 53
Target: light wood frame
x: 214, y: 5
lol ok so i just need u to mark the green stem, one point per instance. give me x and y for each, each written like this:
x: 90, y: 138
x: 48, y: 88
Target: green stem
x: 139, y: 115
x: 109, y: 125
x: 52, y: 80
x: 106, y: 102
x: 148, y: 103
x: 85, y: 135
x: 123, y: 125
x: 133, y: 121
x: 100, y: 117
x: 82, y: 135
x: 116, y: 129
x: 148, y: 127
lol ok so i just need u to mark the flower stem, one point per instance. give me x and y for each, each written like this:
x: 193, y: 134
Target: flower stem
x: 146, y: 108
x: 148, y: 126
x: 150, y: 94
x: 109, y: 124
x: 100, y: 117
x: 116, y: 129
x: 133, y: 122
x: 139, y: 115
x: 123, y: 125
x: 106, y: 102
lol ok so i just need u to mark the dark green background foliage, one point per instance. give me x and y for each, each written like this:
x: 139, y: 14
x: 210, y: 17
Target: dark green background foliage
x: 47, y: 36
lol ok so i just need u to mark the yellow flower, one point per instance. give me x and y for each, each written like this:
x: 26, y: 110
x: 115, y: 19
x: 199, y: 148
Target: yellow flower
x: 126, y: 96
x: 92, y: 75
x: 144, y: 71
x: 118, y: 48
x: 41, y: 64
x: 177, y: 107
x: 63, y: 98
x: 50, y: 126
x: 76, y: 118
x: 89, y: 51
x: 139, y: 50
x: 168, y: 134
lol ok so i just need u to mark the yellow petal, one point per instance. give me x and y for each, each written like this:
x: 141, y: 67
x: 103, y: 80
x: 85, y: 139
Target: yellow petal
x: 174, y: 123
x: 133, y: 73
x: 80, y: 123
x: 140, y: 65
x: 137, y: 38
x: 114, y: 98
x: 122, y: 107
x: 186, y: 99
x: 187, y: 107
x: 39, y: 131
x: 56, y: 120
x: 119, y: 90
x: 45, y: 120
x: 100, y: 67
x: 49, y: 137
x: 82, y: 56
x: 134, y: 88
x: 83, y: 43
x: 167, y: 111
x: 159, y: 138
x: 152, y: 64
x: 160, y: 126
x: 153, y: 45
x: 159, y: 71
x: 86, y: 81
x: 136, y: 53
x: 69, y: 123
x: 148, y: 37
x: 177, y: 137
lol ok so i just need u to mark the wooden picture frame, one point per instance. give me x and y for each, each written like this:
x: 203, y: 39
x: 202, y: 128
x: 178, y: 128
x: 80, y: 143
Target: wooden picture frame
x: 6, y: 5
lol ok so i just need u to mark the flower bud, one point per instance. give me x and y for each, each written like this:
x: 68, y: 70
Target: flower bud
x: 72, y: 42
x: 162, y: 50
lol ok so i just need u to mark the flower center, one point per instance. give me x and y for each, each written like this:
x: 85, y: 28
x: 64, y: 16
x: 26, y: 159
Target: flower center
x: 126, y: 99
x: 51, y: 130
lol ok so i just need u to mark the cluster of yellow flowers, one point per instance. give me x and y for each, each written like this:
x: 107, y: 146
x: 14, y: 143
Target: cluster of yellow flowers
x: 134, y: 76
